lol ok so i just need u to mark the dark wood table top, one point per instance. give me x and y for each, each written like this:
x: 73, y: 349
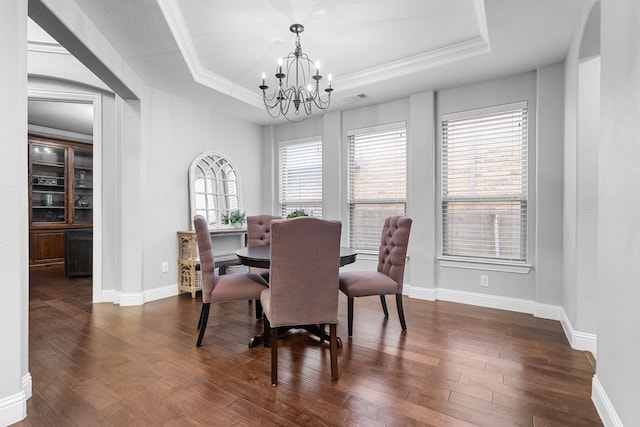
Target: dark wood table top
x: 259, y: 256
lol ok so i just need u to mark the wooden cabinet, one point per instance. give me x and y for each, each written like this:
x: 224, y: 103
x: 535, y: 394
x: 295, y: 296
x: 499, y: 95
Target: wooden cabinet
x: 225, y: 242
x: 78, y: 252
x: 60, y: 196
x: 46, y: 247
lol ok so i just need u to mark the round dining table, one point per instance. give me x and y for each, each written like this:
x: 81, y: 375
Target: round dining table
x: 260, y: 256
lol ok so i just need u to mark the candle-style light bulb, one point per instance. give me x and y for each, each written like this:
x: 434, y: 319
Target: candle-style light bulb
x: 264, y: 76
x: 309, y: 88
x: 280, y: 65
x: 317, y: 68
x: 330, y: 77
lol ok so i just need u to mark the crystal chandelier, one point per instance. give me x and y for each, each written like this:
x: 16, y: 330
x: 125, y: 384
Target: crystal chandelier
x: 294, y: 74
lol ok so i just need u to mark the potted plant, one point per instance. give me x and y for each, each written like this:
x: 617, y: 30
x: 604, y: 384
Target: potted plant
x: 297, y: 213
x: 237, y: 218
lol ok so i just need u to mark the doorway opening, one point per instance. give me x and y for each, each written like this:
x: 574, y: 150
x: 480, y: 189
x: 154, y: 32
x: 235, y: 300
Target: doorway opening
x: 65, y: 190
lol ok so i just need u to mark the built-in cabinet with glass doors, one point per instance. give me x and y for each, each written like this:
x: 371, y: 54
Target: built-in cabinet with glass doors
x: 60, y: 196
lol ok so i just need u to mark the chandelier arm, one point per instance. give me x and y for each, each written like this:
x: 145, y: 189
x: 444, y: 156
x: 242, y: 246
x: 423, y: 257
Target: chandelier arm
x: 320, y: 103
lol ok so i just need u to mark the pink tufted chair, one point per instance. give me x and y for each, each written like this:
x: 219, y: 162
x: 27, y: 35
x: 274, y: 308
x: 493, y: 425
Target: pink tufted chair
x: 305, y: 259
x: 259, y: 234
x: 233, y: 287
x: 389, y: 278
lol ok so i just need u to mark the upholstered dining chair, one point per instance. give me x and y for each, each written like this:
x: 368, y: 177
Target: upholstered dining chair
x: 233, y: 287
x: 389, y: 277
x: 303, y: 288
x: 259, y: 234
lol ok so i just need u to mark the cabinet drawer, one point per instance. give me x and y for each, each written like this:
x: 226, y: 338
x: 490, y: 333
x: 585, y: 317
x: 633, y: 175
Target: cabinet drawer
x: 47, y: 246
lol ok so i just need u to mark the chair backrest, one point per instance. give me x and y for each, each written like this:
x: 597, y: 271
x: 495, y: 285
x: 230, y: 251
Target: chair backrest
x: 305, y: 259
x: 393, y: 248
x: 207, y: 259
x: 259, y: 229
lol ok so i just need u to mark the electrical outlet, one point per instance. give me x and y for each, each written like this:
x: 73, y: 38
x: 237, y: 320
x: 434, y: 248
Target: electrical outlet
x: 165, y: 267
x: 484, y: 280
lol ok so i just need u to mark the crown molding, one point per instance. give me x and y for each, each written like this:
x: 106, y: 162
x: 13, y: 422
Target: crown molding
x: 414, y: 64
x: 45, y: 47
x: 173, y: 15
x: 455, y: 52
x: 60, y: 134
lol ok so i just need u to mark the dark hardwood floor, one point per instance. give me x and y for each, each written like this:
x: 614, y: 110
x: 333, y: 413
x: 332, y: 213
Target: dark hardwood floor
x: 456, y: 365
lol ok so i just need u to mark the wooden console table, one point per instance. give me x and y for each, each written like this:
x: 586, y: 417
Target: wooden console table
x: 225, y: 242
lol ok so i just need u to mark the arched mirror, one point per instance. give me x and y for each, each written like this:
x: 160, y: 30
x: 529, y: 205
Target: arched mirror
x: 214, y: 188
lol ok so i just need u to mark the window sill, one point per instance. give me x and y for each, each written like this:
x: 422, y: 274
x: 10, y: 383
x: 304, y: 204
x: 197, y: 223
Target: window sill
x: 505, y: 266
x: 367, y: 255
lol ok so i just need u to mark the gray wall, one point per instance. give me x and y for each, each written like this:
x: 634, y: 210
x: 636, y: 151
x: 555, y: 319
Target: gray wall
x: 581, y: 135
x: 15, y: 380
x: 618, y: 207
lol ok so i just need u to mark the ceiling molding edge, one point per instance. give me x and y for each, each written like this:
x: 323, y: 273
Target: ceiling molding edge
x: 177, y: 26
x: 414, y: 64
x: 481, y: 18
x: 459, y: 51
x: 456, y: 52
x: 34, y: 46
x: 60, y: 134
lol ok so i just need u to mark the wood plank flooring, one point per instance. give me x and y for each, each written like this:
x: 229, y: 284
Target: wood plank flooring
x: 456, y: 365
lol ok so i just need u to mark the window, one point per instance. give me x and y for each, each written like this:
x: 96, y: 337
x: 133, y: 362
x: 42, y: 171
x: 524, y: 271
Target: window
x: 301, y: 177
x: 213, y: 187
x: 484, y: 183
x: 377, y: 182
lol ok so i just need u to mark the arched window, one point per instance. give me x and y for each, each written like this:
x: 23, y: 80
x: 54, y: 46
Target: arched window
x: 214, y: 188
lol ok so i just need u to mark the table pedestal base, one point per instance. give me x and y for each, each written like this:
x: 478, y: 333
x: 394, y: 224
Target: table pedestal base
x: 312, y: 329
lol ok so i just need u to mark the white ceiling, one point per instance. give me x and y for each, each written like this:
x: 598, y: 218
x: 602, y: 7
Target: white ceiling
x: 74, y: 117
x: 215, y: 50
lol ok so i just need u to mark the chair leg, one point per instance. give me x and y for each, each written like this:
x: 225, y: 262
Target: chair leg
x: 322, y: 334
x: 204, y: 317
x: 274, y: 357
x: 384, y: 305
x: 333, y: 350
x: 400, y: 311
x: 258, y: 309
x: 350, y: 315
x: 200, y: 319
x: 266, y: 331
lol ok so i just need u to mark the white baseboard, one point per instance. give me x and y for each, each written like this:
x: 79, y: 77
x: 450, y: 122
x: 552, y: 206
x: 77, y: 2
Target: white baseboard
x: 577, y: 340
x: 160, y: 293
x: 139, y: 298
x: 544, y: 311
x: 603, y: 405
x: 14, y: 408
x: 27, y: 387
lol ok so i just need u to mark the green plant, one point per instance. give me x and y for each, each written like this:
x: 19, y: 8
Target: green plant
x: 297, y: 213
x: 237, y: 217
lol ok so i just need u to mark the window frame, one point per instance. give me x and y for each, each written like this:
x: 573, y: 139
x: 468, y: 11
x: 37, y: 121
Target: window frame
x: 374, y: 233
x: 307, y: 206
x: 230, y: 201
x: 490, y: 263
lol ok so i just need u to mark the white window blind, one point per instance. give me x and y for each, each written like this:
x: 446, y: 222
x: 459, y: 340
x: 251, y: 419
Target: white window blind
x: 377, y: 183
x: 484, y: 184
x: 301, y: 177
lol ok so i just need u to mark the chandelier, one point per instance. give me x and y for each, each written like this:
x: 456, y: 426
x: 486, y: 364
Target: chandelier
x: 295, y: 93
